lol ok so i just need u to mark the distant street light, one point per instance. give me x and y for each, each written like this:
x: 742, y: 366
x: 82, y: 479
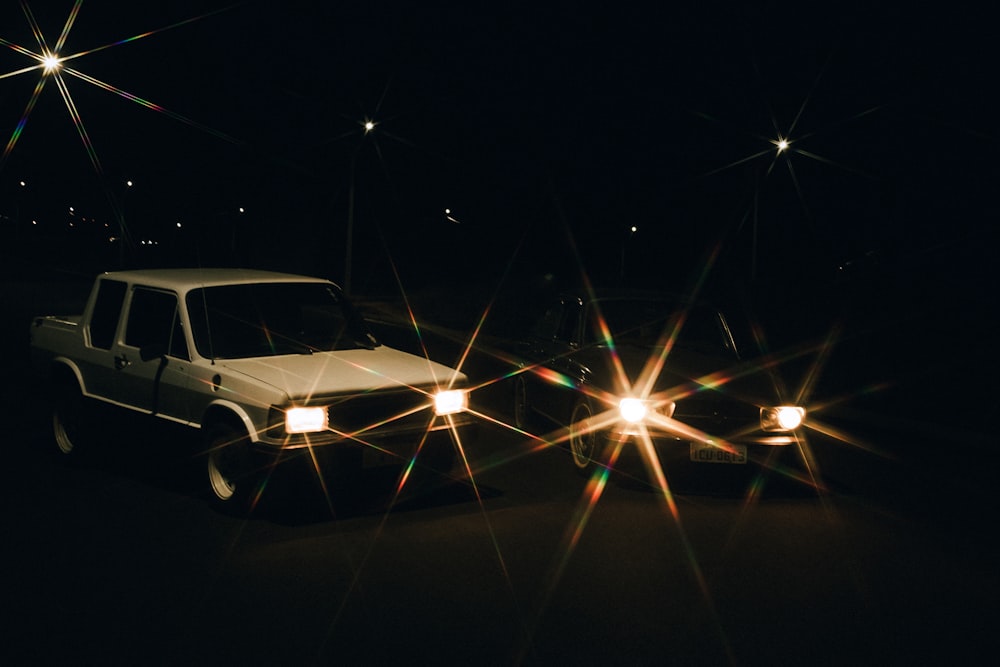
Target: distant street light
x: 122, y: 233
x: 19, y: 202
x: 51, y: 63
x: 232, y: 231
x: 628, y: 236
x: 368, y: 125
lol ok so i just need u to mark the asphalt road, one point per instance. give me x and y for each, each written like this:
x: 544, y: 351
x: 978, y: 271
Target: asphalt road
x: 124, y: 561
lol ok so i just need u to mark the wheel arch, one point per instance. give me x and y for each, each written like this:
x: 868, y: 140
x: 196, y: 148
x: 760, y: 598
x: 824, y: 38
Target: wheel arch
x: 63, y: 371
x: 231, y: 414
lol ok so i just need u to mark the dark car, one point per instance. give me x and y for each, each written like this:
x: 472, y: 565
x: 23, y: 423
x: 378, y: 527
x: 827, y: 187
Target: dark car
x: 614, y: 368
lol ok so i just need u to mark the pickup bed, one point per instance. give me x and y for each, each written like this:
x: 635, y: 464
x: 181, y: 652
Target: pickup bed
x: 260, y: 364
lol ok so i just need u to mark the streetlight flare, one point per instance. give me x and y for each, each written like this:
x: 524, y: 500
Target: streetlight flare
x: 51, y: 63
x: 782, y: 145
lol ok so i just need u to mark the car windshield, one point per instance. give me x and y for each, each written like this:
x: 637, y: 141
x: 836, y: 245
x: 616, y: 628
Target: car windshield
x: 649, y: 322
x: 267, y: 319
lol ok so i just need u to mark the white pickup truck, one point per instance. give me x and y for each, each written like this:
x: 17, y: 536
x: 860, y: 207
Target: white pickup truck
x: 263, y: 364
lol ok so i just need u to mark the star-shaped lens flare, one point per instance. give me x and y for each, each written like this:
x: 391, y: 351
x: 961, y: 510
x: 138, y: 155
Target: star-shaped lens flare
x: 53, y: 67
x: 51, y: 63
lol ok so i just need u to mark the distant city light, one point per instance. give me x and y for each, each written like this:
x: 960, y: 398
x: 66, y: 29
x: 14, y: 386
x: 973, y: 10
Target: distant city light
x: 782, y: 145
x: 447, y: 214
x: 51, y: 63
x: 369, y: 125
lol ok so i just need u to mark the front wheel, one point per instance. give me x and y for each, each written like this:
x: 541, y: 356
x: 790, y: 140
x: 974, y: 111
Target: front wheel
x: 233, y: 478
x: 582, y: 436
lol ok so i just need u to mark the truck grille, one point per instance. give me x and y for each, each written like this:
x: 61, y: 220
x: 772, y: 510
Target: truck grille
x: 367, y: 416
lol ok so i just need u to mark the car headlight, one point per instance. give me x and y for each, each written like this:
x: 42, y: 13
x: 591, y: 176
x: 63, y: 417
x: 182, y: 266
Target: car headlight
x: 632, y: 410
x: 306, y: 420
x: 450, y: 401
x: 782, y: 418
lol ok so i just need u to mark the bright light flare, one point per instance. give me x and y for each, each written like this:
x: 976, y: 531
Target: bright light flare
x: 450, y: 402
x: 51, y: 63
x: 782, y: 145
x: 782, y: 418
x: 53, y: 69
x: 306, y: 420
x: 633, y: 410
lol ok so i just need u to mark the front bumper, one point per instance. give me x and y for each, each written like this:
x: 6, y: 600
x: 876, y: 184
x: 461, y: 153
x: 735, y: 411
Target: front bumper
x: 391, y: 435
x: 754, y: 447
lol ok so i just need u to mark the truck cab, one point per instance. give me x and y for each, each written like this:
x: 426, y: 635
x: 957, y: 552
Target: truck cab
x: 261, y: 363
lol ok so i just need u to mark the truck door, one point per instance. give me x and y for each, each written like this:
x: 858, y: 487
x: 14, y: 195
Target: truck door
x: 96, y: 364
x: 151, y: 357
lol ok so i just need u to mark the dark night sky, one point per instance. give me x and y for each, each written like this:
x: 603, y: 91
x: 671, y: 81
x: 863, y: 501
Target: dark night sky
x: 527, y: 120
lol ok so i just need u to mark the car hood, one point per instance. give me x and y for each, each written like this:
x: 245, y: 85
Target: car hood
x: 344, y: 371
x: 683, y: 368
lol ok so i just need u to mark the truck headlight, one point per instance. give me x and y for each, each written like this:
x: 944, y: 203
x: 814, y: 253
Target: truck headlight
x: 782, y: 418
x: 305, y: 420
x: 450, y: 401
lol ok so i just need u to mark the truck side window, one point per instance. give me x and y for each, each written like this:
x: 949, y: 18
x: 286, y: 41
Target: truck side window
x: 107, y: 310
x: 569, y: 328
x: 547, y: 327
x: 153, y: 322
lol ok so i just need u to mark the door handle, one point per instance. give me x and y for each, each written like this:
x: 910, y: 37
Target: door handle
x: 122, y: 362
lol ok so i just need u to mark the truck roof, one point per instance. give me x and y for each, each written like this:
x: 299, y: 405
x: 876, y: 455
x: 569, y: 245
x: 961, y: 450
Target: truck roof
x: 184, y: 279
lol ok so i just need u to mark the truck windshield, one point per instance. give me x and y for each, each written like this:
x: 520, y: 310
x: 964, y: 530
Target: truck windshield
x: 268, y: 319
x: 648, y: 322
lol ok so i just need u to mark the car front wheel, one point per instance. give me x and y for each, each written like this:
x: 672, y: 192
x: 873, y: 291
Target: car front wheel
x: 582, y: 437
x: 233, y: 478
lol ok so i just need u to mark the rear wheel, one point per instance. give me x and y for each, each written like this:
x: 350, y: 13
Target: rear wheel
x: 71, y: 428
x: 582, y: 436
x: 233, y: 475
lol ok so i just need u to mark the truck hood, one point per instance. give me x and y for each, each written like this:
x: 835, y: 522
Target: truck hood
x: 344, y: 371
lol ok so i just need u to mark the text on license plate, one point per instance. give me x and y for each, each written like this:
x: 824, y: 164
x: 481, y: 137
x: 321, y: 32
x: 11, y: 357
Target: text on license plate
x: 702, y: 453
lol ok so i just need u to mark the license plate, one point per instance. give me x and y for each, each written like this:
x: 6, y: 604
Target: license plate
x: 702, y: 453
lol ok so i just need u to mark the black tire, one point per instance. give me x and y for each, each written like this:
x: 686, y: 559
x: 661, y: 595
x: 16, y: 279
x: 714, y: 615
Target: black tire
x: 72, y: 426
x: 233, y: 473
x: 582, y: 439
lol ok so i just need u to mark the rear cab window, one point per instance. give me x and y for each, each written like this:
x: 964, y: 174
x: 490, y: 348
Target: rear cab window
x: 154, y: 323
x: 106, y: 313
